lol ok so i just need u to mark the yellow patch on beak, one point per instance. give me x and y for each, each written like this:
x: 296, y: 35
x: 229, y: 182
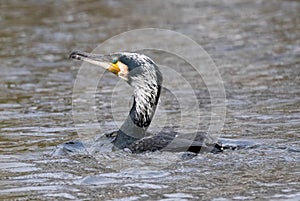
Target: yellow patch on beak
x: 119, y: 69
x: 114, y: 68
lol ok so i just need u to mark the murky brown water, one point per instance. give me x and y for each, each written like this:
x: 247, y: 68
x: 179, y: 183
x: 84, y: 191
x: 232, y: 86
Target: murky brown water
x: 256, y: 46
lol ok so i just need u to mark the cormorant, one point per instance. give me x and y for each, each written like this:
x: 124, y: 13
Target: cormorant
x: 140, y: 72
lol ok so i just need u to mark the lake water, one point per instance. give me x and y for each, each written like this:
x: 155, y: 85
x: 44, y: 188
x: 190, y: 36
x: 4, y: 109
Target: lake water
x: 256, y: 48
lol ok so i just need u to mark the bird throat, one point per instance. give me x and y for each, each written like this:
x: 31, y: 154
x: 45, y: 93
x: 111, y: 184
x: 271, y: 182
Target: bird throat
x: 144, y: 106
x: 140, y: 116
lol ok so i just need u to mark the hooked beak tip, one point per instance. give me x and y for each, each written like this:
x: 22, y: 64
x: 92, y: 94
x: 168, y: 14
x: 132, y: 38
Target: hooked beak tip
x: 76, y: 55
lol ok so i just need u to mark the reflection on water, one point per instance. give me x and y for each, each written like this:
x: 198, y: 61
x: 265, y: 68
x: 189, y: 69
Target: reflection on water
x: 255, y: 45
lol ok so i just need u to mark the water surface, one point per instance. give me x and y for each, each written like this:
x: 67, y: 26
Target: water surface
x: 256, y: 47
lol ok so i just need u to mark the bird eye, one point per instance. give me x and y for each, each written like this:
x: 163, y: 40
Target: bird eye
x: 114, y: 60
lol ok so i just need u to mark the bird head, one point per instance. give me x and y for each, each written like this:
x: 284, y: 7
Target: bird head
x: 128, y: 66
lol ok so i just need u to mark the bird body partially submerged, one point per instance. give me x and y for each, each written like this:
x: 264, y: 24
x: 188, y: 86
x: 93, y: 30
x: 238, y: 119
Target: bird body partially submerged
x: 144, y: 76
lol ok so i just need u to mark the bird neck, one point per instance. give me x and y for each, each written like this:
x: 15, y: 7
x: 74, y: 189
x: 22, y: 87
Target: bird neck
x: 144, y: 105
x: 140, y: 115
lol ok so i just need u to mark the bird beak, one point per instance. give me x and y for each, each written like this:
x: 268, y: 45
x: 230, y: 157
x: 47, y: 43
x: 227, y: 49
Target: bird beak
x: 97, y: 59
